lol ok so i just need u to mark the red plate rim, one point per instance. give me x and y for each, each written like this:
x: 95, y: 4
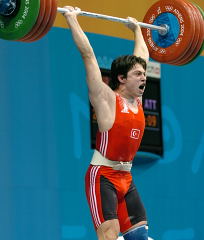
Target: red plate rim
x: 199, y: 42
x: 48, y: 9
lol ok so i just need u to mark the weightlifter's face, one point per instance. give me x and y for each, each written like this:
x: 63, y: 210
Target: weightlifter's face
x: 136, y: 81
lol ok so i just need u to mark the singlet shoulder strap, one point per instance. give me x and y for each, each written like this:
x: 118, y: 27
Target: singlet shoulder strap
x: 139, y: 102
x: 117, y: 95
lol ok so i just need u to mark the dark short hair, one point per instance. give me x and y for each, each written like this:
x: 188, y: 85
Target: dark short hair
x: 121, y: 66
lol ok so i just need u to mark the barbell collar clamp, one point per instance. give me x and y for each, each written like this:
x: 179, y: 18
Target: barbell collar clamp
x: 7, y: 7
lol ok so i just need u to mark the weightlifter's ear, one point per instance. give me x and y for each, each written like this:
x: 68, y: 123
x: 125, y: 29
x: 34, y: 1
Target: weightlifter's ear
x: 121, y: 78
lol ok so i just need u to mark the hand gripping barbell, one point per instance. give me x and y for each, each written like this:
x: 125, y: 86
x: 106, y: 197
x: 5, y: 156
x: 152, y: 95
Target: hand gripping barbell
x: 177, y: 35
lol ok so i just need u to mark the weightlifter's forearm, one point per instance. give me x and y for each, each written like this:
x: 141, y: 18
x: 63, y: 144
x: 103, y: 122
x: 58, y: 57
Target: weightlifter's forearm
x: 140, y: 48
x: 79, y: 37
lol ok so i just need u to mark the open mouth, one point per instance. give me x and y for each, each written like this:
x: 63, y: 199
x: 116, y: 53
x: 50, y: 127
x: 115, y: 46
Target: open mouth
x: 142, y: 86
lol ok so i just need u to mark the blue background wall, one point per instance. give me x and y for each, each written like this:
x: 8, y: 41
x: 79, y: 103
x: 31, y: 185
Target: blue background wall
x: 45, y: 143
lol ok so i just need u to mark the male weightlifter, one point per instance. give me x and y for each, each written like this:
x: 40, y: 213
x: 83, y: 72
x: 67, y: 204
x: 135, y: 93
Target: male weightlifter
x: 114, y: 202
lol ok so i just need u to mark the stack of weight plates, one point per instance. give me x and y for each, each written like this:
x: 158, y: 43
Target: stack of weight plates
x: 30, y: 21
x: 184, y: 41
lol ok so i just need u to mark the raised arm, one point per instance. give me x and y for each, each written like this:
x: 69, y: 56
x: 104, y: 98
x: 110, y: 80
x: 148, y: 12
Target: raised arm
x: 101, y: 95
x: 94, y: 79
x: 140, y: 47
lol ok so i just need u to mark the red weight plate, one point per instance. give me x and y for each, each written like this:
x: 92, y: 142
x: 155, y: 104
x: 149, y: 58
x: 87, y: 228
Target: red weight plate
x: 198, y: 46
x: 183, y: 58
x: 50, y: 22
x: 48, y: 9
x: 38, y: 22
x: 181, y: 11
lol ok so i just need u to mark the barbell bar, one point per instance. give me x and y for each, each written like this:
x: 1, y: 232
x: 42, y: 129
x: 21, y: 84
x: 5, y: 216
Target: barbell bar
x: 162, y: 29
x: 178, y: 37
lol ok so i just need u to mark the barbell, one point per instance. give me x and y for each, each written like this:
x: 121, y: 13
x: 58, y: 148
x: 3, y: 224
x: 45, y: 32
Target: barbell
x: 177, y: 35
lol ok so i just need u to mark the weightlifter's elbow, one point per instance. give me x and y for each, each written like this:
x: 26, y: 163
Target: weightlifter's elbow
x: 145, y: 56
x: 87, y: 53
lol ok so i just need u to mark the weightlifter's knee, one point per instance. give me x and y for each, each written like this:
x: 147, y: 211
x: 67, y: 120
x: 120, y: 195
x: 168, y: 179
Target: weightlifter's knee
x: 109, y: 230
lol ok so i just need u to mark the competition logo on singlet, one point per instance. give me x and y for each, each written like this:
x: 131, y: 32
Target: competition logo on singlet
x: 135, y: 133
x: 124, y: 107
